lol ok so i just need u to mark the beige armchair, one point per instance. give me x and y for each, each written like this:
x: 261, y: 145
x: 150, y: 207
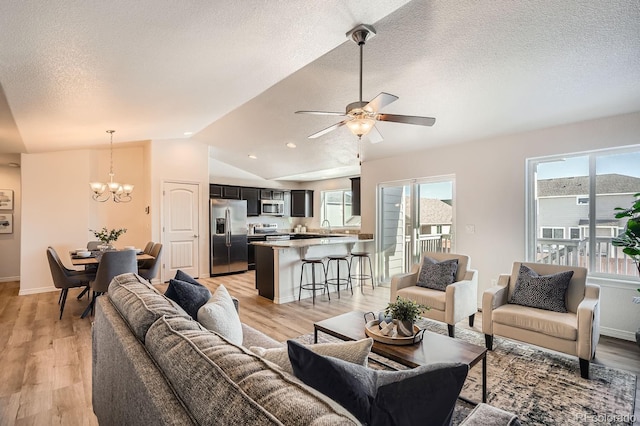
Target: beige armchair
x: 458, y: 301
x: 575, y: 333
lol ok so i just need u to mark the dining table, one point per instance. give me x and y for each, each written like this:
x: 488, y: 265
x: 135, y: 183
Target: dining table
x: 94, y: 258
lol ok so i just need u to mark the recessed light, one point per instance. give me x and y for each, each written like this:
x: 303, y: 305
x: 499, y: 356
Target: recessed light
x: 291, y: 145
x: 188, y: 133
x: 253, y: 157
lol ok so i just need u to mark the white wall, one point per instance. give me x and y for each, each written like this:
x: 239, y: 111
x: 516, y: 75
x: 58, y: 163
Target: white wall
x: 10, y: 243
x: 57, y: 209
x: 180, y: 160
x: 490, y: 194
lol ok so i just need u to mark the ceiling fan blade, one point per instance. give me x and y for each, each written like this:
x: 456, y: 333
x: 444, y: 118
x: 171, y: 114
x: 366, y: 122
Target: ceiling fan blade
x: 328, y: 129
x: 374, y: 135
x: 407, y: 119
x: 380, y: 101
x: 340, y: 114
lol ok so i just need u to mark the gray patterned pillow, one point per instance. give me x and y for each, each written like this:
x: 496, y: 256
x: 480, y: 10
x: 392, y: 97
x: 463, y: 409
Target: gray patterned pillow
x: 437, y: 275
x: 541, y: 291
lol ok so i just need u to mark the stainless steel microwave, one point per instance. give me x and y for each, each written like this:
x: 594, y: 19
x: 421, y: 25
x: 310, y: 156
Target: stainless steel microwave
x: 272, y: 207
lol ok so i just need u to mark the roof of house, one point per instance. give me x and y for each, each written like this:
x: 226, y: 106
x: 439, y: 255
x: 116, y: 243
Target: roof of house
x: 435, y: 212
x: 579, y: 185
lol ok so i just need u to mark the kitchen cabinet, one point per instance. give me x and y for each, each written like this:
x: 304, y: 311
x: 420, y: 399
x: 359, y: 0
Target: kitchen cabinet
x: 265, y: 194
x: 277, y: 195
x: 301, y: 203
x: 251, y: 196
x: 355, y: 196
x: 224, y: 191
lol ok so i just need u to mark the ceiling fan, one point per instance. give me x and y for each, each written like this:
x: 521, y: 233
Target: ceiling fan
x: 362, y: 116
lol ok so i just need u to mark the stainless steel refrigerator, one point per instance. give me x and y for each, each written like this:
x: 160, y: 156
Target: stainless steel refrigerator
x: 228, y: 236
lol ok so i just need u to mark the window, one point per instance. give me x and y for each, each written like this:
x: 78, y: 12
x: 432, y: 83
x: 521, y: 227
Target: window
x: 556, y: 233
x: 579, y: 193
x: 336, y: 208
x: 582, y: 201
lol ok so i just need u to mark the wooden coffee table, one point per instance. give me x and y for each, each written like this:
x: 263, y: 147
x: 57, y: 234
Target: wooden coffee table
x: 433, y: 348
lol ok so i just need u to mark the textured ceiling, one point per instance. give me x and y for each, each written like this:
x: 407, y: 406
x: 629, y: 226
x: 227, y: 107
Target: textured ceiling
x: 234, y: 73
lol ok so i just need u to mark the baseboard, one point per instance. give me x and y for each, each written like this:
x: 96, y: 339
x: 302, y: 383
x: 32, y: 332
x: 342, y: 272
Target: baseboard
x: 37, y: 290
x: 9, y: 279
x: 618, y: 334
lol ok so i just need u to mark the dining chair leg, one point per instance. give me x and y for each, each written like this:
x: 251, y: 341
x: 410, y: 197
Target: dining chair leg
x: 89, y: 307
x: 63, y: 297
x: 60, y: 298
x: 83, y: 292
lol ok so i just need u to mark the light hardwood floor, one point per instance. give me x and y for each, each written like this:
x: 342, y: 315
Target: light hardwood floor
x: 45, y: 363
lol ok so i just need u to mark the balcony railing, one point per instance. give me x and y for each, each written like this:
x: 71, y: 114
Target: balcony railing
x: 608, y: 258
x: 427, y: 243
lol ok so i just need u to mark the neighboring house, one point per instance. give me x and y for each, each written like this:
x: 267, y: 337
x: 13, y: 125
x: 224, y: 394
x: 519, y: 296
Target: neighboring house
x: 563, y: 205
x: 436, y: 216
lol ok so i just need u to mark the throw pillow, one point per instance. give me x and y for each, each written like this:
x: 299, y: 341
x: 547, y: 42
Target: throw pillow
x: 423, y: 395
x: 356, y: 352
x: 437, y: 275
x: 541, y: 291
x: 180, y: 276
x: 219, y: 314
x: 189, y: 296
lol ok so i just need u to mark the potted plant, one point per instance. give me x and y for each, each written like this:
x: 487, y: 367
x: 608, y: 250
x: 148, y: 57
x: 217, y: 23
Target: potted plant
x: 108, y: 236
x: 630, y: 238
x: 405, y: 312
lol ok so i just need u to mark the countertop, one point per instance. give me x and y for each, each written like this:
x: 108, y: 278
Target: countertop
x: 311, y: 242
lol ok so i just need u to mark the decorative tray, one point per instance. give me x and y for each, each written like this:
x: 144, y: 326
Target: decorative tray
x: 372, y: 329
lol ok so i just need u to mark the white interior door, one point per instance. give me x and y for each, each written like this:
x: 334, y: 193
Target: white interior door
x: 181, y: 205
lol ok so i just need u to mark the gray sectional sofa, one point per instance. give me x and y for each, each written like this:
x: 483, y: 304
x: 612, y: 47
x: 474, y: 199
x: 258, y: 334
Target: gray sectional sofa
x: 153, y: 364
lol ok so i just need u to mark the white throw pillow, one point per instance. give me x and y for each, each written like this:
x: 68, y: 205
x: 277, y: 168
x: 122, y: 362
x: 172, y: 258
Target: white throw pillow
x: 219, y: 314
x: 356, y: 352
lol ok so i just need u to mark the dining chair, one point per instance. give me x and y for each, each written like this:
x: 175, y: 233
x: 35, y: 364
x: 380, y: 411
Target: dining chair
x: 149, y: 269
x: 148, y: 247
x: 112, y: 264
x: 93, y: 245
x: 64, y: 278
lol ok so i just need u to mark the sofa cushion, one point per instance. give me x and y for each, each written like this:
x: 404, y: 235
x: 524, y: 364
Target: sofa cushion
x: 219, y: 314
x: 541, y: 291
x: 180, y: 276
x: 139, y: 303
x: 188, y: 295
x: 213, y: 376
x: 437, y: 275
x: 253, y: 337
x: 420, y: 396
x: 434, y: 299
x: 556, y: 324
x: 356, y: 352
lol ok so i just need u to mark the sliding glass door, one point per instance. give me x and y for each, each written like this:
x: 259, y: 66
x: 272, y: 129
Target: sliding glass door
x: 414, y: 216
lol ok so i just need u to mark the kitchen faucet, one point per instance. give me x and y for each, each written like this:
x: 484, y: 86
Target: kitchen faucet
x: 326, y: 230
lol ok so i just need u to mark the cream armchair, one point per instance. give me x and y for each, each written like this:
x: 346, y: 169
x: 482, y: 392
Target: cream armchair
x: 575, y: 333
x: 458, y: 301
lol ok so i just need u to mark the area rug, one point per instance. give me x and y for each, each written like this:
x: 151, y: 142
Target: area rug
x: 541, y: 387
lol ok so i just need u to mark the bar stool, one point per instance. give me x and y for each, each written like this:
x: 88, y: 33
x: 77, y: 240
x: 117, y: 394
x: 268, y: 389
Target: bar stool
x: 360, y: 277
x: 338, y: 280
x: 313, y: 285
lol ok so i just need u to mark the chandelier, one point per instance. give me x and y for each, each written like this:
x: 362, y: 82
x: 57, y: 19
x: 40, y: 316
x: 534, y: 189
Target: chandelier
x: 119, y: 193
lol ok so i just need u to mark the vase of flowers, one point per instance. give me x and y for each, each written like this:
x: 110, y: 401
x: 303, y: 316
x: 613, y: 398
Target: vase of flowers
x: 107, y: 237
x: 405, y: 312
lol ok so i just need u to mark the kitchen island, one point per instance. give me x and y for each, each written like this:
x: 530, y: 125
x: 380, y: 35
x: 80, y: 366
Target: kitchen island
x: 278, y: 263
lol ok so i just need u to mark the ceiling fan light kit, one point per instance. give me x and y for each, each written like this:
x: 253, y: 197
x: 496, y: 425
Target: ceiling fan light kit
x: 361, y: 116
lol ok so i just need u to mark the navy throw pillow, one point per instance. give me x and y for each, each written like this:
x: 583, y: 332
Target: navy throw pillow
x: 541, y: 291
x: 181, y: 276
x: 189, y: 296
x: 420, y: 396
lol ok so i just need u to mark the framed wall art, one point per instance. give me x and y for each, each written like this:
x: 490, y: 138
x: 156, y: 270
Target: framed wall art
x: 6, y: 224
x: 6, y: 199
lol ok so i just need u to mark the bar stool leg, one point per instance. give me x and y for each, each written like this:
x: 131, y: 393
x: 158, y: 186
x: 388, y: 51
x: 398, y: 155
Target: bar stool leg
x: 371, y: 272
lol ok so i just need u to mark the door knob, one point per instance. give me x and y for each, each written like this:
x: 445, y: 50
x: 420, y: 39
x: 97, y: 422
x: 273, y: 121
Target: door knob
x: 195, y: 236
